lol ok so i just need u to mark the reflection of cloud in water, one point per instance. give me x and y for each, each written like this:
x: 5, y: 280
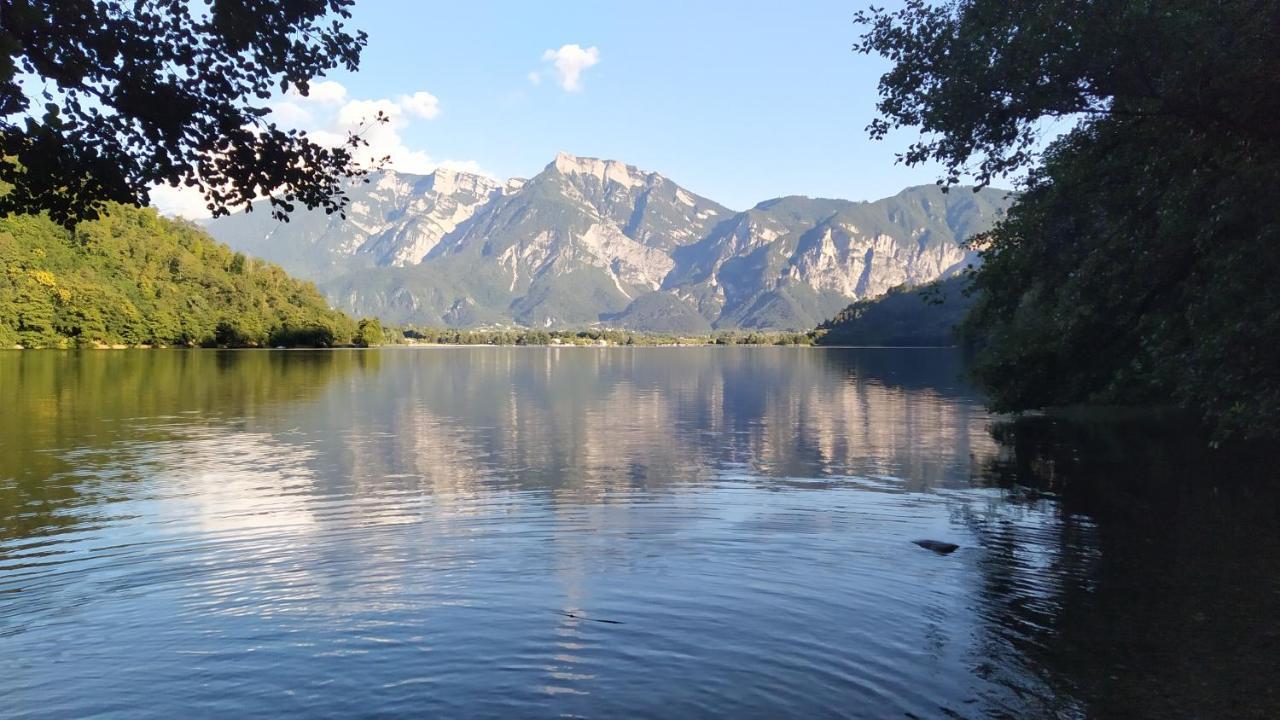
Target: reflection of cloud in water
x: 241, y: 483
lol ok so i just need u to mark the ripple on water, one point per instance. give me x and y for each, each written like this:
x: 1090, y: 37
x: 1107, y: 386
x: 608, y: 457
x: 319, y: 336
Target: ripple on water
x: 444, y: 536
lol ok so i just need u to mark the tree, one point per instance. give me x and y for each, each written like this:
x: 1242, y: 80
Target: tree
x: 1139, y: 264
x: 102, y: 99
x: 980, y: 78
x: 369, y: 332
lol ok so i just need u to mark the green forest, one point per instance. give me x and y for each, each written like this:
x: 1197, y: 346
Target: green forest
x: 134, y: 278
x: 905, y: 316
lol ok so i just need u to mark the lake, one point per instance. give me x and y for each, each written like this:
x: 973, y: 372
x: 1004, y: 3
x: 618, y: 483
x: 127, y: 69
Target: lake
x: 649, y: 532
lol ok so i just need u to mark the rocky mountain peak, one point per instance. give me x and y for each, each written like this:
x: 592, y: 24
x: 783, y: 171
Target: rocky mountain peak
x: 605, y: 171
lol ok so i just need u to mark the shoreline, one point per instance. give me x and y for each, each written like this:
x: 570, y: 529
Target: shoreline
x: 389, y: 346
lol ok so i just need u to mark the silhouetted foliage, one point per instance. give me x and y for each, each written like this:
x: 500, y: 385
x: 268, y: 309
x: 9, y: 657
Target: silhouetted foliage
x: 1139, y: 266
x: 101, y: 99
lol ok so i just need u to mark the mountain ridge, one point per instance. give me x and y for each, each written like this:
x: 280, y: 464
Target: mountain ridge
x: 590, y: 241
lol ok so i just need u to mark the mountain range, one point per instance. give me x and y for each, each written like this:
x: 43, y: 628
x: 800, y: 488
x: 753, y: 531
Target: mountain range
x: 589, y: 241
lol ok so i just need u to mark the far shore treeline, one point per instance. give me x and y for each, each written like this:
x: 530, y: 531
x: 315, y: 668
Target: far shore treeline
x: 595, y: 336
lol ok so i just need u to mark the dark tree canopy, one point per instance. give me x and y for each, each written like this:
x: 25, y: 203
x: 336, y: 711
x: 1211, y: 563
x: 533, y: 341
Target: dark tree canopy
x: 978, y: 78
x: 1140, y: 264
x: 101, y: 99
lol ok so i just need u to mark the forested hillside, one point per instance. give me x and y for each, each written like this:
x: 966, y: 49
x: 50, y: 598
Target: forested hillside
x: 905, y: 316
x: 134, y: 278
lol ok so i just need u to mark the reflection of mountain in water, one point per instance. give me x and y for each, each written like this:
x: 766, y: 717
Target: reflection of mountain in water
x: 579, y: 423
x: 585, y: 422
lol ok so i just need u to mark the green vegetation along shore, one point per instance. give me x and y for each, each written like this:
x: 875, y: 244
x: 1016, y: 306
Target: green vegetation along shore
x: 903, y: 317
x: 134, y: 278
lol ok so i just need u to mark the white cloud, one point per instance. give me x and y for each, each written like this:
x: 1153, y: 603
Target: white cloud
x: 570, y: 61
x: 325, y: 91
x: 328, y: 115
x: 470, y: 166
x: 180, y: 201
x: 355, y: 113
x: 384, y: 138
x: 423, y: 104
x: 290, y: 114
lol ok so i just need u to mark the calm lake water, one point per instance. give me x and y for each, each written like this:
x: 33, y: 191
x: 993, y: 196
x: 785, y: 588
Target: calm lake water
x: 528, y: 532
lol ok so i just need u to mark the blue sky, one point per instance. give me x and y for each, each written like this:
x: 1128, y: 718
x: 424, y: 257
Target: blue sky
x: 739, y: 102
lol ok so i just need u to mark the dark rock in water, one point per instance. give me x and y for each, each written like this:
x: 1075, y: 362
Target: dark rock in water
x: 942, y: 548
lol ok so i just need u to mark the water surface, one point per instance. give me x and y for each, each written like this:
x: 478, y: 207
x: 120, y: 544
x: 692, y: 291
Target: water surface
x: 529, y: 532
